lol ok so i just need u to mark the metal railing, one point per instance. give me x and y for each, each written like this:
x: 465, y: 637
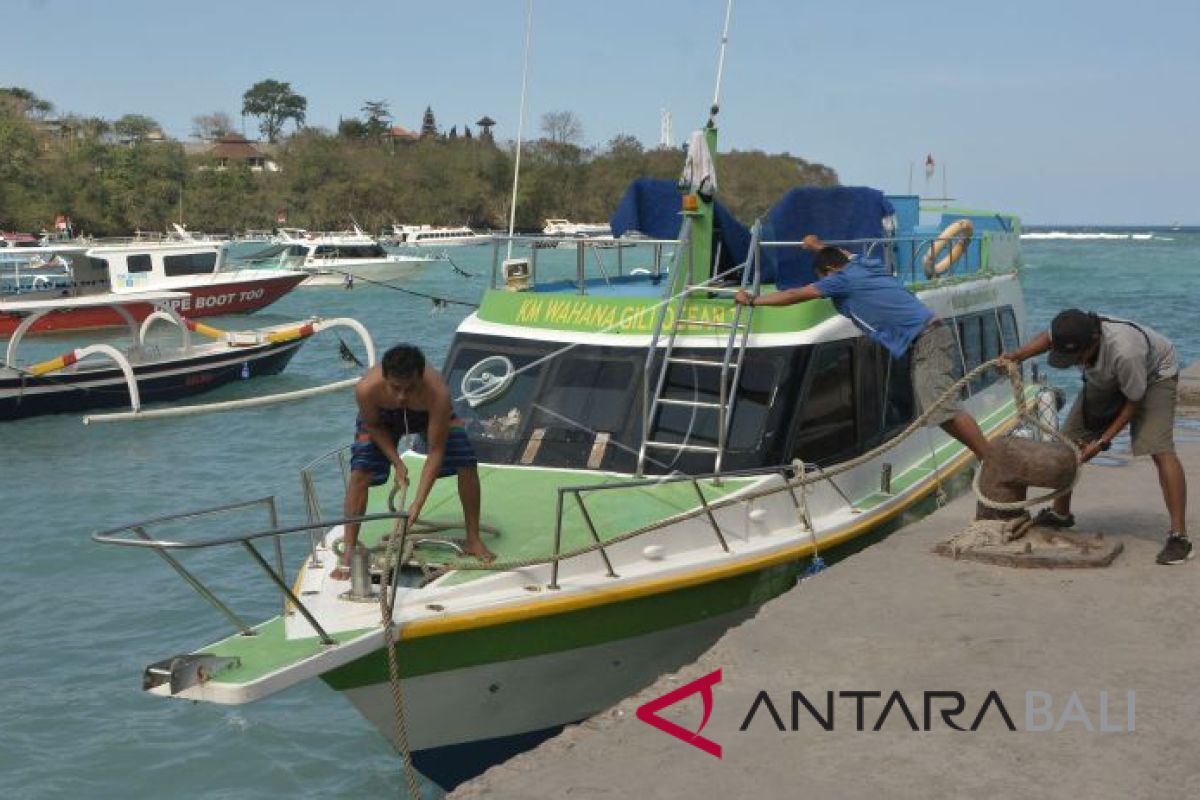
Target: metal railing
x: 595, y: 259
x: 600, y: 261
x: 787, y: 472
x: 987, y: 252
x: 21, y: 276
x: 123, y: 536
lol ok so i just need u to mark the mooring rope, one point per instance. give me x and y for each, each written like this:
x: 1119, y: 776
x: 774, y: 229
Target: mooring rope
x: 438, y: 302
x: 387, y: 605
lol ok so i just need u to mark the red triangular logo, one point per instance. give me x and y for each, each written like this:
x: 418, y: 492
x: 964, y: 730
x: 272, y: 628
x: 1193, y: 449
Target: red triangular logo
x: 648, y: 713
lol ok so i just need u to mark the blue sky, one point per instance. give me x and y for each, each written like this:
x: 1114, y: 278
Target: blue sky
x: 1061, y: 110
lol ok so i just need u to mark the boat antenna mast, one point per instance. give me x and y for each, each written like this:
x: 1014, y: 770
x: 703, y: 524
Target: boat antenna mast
x: 512, y: 207
x: 716, y: 103
x: 699, y: 180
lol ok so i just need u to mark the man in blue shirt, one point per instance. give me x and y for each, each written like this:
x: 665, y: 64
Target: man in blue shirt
x: 863, y: 290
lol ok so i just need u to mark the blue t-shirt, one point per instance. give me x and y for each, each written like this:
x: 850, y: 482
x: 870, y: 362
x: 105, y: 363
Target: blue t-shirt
x: 877, y: 303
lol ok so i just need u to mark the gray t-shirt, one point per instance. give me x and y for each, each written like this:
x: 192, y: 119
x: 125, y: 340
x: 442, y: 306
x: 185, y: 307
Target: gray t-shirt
x: 1125, y: 362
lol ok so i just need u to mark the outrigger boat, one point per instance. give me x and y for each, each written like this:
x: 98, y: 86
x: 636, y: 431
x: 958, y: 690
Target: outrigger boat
x: 656, y: 461
x: 101, y: 375
x: 113, y: 272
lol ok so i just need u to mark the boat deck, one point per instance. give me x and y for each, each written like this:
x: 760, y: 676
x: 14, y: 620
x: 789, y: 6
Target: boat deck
x: 529, y: 495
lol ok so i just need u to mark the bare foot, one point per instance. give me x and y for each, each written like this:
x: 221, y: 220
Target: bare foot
x: 480, y: 551
x: 342, y: 573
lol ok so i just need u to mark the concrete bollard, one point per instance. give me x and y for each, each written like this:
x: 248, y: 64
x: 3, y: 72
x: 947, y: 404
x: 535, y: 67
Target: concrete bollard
x: 1013, y: 465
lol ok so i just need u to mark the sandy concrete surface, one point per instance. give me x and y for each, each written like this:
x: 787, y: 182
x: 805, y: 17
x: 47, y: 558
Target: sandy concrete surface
x: 896, y: 617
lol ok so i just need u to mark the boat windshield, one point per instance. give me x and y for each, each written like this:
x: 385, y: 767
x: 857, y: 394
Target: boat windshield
x: 548, y: 413
x: 582, y: 408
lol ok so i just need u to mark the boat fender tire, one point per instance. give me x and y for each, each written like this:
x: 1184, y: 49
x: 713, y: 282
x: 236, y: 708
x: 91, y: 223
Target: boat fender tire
x: 957, y: 236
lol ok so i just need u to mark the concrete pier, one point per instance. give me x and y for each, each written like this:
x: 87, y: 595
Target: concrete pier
x: 1058, y: 649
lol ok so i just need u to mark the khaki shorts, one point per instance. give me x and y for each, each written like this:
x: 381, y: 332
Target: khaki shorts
x: 934, y: 355
x: 1152, y: 426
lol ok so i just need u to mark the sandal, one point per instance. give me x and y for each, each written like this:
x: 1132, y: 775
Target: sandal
x: 1050, y: 518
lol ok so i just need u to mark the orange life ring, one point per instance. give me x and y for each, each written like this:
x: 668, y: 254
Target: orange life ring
x: 958, y: 235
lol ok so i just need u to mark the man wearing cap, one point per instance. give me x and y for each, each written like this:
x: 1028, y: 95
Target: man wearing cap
x: 865, y: 291
x: 1130, y: 377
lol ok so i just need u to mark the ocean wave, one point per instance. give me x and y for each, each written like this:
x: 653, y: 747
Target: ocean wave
x: 1094, y: 235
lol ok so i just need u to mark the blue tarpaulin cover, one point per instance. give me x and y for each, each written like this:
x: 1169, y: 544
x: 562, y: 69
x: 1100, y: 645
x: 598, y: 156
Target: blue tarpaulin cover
x: 651, y: 207
x: 836, y: 213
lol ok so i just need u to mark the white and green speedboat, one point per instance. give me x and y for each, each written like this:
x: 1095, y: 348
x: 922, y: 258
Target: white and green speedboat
x: 640, y: 416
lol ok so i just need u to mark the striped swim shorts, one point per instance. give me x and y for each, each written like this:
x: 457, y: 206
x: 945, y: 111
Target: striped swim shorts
x: 366, y: 457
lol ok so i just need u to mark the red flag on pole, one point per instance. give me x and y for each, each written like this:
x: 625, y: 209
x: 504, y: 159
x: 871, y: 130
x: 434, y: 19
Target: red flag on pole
x: 929, y: 166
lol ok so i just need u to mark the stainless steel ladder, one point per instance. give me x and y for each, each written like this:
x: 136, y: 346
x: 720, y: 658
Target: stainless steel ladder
x: 729, y: 366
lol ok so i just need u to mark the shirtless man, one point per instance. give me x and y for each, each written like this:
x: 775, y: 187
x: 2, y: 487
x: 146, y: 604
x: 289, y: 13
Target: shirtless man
x: 404, y: 396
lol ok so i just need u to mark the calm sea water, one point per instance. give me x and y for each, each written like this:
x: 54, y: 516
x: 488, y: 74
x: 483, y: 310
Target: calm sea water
x: 80, y: 620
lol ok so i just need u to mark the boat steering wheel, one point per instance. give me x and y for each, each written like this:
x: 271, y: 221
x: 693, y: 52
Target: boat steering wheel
x: 487, y: 379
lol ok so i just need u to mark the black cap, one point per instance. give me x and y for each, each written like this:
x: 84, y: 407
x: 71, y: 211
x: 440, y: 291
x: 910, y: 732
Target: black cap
x: 1071, y: 333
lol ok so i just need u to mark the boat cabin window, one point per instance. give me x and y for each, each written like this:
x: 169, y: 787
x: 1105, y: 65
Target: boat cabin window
x: 985, y: 335
x: 98, y: 264
x: 827, y: 426
x: 583, y: 397
x: 138, y: 263
x: 496, y: 424
x: 760, y: 379
x: 886, y: 398
x: 350, y: 251
x: 190, y: 264
x: 1008, y: 329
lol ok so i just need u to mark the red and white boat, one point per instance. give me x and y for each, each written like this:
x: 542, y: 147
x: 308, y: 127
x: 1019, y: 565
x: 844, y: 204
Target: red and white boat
x: 196, y: 267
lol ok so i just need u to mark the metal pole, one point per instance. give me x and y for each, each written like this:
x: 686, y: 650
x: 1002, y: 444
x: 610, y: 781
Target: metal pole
x: 579, y: 266
x: 557, y: 541
x: 716, y: 103
x: 200, y: 588
x: 283, y: 587
x: 595, y: 536
x: 279, y: 552
x: 512, y: 210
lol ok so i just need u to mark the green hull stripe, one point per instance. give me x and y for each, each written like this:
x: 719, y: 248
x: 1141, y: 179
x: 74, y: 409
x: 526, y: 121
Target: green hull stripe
x: 570, y: 631
x: 636, y: 316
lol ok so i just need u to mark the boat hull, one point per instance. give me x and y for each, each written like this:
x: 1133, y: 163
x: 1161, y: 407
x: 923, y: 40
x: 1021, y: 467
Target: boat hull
x: 208, y: 300
x: 91, y: 389
x: 484, y: 695
x: 380, y: 271
x: 475, y: 698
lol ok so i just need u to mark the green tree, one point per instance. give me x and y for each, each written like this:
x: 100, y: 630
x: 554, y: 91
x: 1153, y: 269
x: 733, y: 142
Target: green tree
x: 352, y: 128
x: 25, y: 102
x: 274, y: 103
x: 135, y: 127
x: 378, y: 120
